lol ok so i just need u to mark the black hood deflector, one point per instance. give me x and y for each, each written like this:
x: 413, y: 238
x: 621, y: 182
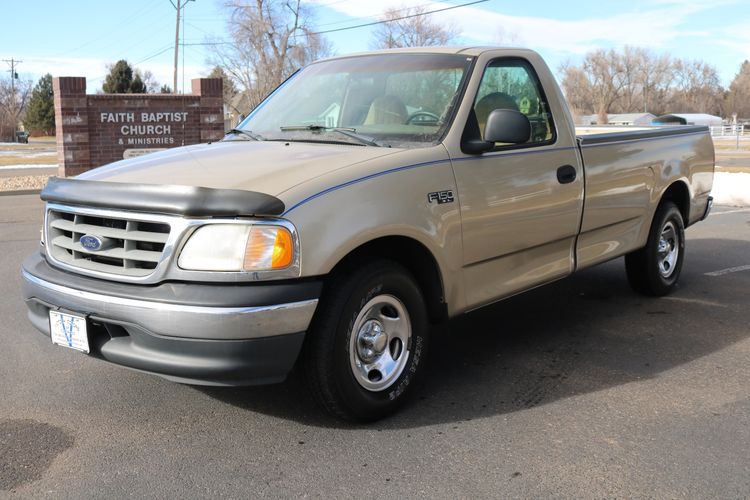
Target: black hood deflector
x: 187, y: 201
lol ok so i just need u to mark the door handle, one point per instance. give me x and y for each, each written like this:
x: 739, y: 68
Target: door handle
x: 566, y: 174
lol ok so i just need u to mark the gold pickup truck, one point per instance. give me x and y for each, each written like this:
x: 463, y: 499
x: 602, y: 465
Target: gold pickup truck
x: 369, y: 197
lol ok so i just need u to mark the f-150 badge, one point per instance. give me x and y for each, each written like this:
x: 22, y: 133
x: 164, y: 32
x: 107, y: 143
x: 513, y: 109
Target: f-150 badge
x: 441, y: 197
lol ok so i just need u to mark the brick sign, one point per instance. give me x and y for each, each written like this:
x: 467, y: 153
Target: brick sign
x: 93, y: 130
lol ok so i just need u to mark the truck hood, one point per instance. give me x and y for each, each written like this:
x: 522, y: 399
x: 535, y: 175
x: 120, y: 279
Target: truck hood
x: 263, y: 166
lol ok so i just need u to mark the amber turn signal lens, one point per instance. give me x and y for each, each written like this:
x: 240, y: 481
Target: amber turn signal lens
x: 282, y: 249
x: 268, y: 248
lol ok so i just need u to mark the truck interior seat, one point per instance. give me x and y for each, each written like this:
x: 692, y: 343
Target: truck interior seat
x: 387, y: 109
x: 356, y: 105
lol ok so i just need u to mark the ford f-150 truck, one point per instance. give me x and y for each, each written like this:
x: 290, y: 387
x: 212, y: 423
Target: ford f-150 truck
x: 368, y: 197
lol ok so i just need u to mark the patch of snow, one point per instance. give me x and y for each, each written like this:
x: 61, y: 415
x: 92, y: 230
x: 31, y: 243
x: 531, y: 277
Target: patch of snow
x: 731, y: 188
x: 28, y: 167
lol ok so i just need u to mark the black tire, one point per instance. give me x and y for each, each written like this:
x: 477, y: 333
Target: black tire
x: 330, y: 353
x: 648, y: 270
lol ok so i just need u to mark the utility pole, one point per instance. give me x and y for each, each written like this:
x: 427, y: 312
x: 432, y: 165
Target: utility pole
x: 179, y: 7
x: 176, y: 45
x: 13, y: 75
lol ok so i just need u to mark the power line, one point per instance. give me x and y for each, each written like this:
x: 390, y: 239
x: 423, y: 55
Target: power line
x: 160, y: 52
x: 125, y: 23
x: 384, y: 21
x: 206, y: 43
x: 148, y: 58
x: 346, y: 21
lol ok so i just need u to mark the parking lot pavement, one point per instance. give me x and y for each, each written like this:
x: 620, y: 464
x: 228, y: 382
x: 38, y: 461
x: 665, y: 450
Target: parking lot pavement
x: 577, y: 389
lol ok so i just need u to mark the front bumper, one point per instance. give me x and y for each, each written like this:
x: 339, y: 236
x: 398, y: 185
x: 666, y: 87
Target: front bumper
x: 189, y: 332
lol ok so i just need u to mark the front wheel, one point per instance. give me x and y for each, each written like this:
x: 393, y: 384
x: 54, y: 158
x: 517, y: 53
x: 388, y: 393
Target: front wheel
x: 655, y: 269
x: 367, y: 342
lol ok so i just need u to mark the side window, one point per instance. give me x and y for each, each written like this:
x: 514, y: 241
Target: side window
x: 513, y: 84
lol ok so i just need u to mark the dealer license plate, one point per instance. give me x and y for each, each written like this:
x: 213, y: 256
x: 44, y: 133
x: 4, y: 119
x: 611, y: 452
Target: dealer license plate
x: 69, y: 330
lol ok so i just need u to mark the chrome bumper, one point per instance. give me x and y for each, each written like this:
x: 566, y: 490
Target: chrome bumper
x: 167, y: 319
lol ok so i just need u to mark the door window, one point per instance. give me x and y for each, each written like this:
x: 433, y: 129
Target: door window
x: 513, y: 84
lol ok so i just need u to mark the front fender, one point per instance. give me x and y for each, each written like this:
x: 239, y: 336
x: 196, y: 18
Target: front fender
x: 335, y: 218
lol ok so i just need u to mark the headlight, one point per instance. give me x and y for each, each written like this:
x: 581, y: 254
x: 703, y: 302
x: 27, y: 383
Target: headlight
x: 238, y: 247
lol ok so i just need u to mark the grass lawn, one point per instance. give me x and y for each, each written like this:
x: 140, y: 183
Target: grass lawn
x: 39, y: 151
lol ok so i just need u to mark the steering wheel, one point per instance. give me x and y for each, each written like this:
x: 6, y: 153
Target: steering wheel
x: 420, y: 115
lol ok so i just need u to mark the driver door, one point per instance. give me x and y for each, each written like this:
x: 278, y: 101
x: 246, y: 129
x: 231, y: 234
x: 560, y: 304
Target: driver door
x: 520, y: 218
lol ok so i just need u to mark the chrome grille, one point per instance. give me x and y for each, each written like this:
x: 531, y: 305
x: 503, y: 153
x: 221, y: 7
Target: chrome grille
x: 132, y: 247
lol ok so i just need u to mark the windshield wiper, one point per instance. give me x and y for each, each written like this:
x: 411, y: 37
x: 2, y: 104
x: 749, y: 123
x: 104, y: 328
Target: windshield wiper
x: 347, y: 131
x: 246, y: 133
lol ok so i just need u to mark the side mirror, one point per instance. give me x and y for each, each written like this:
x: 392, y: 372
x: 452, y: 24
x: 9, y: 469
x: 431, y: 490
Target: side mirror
x: 508, y: 126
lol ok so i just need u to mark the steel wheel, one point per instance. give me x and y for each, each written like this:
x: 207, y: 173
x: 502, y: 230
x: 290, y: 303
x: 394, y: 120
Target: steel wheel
x: 654, y: 269
x: 380, y: 342
x: 668, y: 249
x: 368, y: 341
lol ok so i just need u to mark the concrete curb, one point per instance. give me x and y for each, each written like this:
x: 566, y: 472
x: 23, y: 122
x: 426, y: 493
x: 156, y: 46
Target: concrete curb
x: 20, y: 192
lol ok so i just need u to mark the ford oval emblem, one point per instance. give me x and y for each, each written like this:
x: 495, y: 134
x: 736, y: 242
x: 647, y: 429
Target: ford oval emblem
x: 91, y: 242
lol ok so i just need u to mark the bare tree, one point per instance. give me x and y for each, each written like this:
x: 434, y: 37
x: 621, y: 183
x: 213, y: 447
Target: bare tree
x: 603, y: 79
x: 655, y: 80
x: 697, y: 88
x: 738, y: 97
x: 577, y: 89
x: 636, y: 80
x: 149, y: 80
x: 270, y: 40
x: 507, y: 37
x: 13, y: 100
x: 411, y: 27
x: 632, y: 62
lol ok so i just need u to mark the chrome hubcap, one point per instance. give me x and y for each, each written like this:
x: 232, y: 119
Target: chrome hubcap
x: 380, y: 343
x: 668, y: 249
x: 371, y: 341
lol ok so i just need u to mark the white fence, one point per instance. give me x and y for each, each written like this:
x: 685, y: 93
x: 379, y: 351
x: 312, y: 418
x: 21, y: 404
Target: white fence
x: 728, y: 131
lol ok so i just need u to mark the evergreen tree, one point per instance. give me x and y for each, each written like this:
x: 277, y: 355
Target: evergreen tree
x: 122, y: 79
x: 137, y: 86
x: 119, y: 79
x: 165, y: 89
x: 40, y: 113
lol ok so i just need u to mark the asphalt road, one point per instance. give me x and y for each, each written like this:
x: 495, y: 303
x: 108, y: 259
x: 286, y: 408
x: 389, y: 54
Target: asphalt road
x: 577, y: 389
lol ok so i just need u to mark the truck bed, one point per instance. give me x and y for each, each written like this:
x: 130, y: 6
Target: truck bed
x: 625, y: 167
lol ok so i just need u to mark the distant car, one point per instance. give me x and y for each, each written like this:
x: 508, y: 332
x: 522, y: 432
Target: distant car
x: 22, y: 137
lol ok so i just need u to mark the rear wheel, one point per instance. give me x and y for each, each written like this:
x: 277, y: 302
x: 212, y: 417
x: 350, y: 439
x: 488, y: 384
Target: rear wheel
x: 367, y: 342
x: 655, y: 269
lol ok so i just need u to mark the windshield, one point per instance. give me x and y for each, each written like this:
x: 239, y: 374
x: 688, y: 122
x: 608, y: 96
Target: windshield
x: 400, y: 100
